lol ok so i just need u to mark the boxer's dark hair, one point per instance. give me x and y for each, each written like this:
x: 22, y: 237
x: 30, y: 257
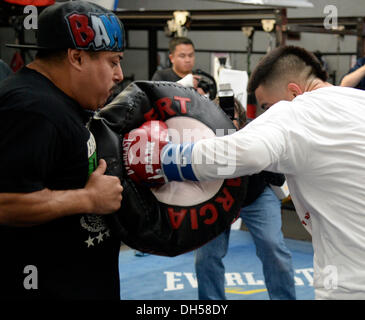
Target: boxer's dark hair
x: 174, y: 42
x: 284, y: 60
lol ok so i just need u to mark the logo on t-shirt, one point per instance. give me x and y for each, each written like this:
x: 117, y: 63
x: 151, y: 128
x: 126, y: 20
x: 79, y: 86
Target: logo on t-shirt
x: 91, y: 154
x: 94, y: 224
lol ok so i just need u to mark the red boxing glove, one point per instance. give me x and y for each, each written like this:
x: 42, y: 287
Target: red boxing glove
x: 141, y: 153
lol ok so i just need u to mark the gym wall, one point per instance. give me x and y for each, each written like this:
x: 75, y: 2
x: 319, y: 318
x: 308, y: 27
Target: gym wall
x: 224, y: 40
x: 237, y: 41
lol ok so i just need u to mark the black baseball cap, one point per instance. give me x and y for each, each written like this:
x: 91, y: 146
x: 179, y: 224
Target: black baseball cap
x: 79, y: 25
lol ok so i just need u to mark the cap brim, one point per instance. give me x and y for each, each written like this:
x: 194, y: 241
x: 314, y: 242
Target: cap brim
x: 25, y: 46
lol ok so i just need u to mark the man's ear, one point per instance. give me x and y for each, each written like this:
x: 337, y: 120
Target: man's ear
x: 294, y: 89
x: 171, y: 58
x: 75, y: 58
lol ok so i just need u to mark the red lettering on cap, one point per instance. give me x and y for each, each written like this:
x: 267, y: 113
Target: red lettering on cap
x: 82, y: 33
x: 183, y: 102
x: 227, y: 201
x: 164, y: 106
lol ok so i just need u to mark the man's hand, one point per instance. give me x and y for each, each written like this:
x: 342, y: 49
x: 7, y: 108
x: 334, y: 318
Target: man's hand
x: 105, y: 191
x: 196, y: 80
x: 101, y: 195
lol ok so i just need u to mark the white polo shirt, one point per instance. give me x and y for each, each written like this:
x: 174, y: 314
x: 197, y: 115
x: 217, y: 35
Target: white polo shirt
x: 318, y: 142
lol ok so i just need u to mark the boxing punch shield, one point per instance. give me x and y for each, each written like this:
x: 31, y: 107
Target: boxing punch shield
x: 178, y: 216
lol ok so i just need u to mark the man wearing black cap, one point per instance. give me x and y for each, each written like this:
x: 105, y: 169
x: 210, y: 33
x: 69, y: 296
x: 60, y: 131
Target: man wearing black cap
x: 54, y: 241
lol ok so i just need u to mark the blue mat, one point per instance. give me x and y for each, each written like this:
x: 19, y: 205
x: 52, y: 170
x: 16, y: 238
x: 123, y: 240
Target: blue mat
x: 153, y: 277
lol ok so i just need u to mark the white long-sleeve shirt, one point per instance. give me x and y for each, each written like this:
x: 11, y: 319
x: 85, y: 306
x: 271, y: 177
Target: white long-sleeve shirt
x: 318, y: 142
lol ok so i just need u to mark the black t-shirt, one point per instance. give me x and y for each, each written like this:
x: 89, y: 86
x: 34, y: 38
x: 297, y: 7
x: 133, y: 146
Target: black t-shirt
x: 44, y: 143
x: 165, y: 75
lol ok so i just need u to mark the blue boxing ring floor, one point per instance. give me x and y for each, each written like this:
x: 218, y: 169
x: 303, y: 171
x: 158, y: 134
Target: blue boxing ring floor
x: 152, y: 277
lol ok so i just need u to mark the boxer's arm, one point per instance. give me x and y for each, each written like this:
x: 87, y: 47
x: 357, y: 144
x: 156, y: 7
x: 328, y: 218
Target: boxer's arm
x: 240, y: 154
x: 151, y: 160
x: 231, y: 156
x: 261, y: 145
x: 101, y: 195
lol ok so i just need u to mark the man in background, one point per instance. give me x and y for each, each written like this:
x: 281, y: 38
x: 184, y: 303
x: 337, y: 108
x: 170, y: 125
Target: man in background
x: 182, y: 58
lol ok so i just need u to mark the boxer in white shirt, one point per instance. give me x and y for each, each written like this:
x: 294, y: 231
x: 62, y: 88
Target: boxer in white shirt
x: 314, y: 133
